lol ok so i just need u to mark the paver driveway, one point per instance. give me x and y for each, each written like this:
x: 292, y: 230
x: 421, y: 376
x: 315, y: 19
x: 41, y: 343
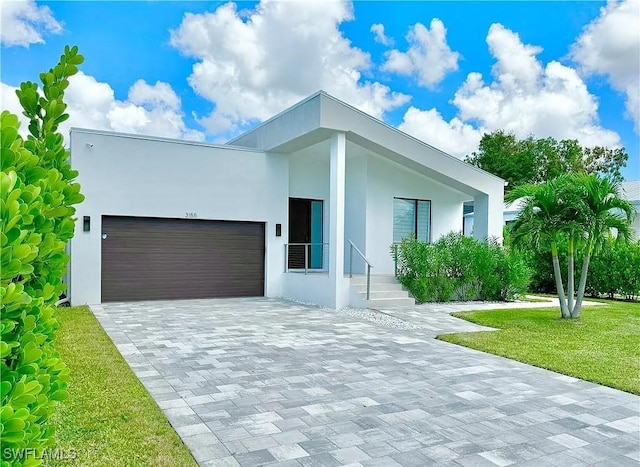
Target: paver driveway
x: 262, y: 381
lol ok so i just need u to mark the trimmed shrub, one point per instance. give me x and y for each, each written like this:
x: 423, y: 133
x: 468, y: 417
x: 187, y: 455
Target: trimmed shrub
x: 614, y: 270
x: 460, y: 268
x: 37, y: 194
x: 509, y: 275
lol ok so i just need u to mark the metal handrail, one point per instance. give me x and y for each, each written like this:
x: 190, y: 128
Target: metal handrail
x: 394, y: 247
x: 351, y: 248
x: 306, y: 254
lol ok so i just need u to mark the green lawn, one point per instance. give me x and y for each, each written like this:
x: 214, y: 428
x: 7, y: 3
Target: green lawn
x: 603, y: 346
x: 109, y: 418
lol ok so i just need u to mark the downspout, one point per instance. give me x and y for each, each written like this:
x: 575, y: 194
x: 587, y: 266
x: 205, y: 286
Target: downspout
x: 67, y: 298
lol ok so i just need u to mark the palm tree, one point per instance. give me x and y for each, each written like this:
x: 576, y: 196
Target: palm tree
x: 583, y: 209
x: 549, y: 212
x: 606, y: 214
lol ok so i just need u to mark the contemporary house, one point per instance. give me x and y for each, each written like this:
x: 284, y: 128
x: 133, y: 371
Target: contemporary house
x: 509, y: 213
x: 629, y: 190
x: 292, y: 208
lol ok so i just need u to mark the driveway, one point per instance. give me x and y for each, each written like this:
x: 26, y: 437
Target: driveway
x: 264, y: 381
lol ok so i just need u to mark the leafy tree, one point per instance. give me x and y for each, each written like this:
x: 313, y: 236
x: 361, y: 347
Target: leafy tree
x: 577, y: 210
x: 503, y: 155
x: 36, y: 209
x: 531, y: 160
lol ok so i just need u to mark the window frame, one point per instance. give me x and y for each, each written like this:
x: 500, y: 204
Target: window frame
x: 415, y: 220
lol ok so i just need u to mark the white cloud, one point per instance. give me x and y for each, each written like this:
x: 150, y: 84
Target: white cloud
x: 610, y: 46
x: 159, y: 95
x: 524, y: 97
x: 9, y: 101
x: 379, y: 36
x: 453, y: 137
x: 253, y: 64
x: 150, y: 109
x: 22, y: 22
x: 428, y: 57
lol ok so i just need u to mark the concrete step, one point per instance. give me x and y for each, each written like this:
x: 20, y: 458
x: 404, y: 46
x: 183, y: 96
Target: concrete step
x: 376, y: 294
x: 385, y: 291
x: 381, y: 303
x: 362, y: 288
x: 375, y: 279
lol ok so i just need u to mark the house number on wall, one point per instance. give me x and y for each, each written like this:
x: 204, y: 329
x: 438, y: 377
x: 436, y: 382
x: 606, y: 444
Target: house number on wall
x: 191, y: 215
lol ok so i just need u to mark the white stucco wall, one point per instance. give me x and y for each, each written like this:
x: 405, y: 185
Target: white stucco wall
x: 136, y: 176
x: 309, y: 288
x: 386, y: 180
x: 309, y: 178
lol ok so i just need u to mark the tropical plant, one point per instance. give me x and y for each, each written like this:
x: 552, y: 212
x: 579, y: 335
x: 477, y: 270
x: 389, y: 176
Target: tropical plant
x: 576, y: 210
x: 606, y: 214
x: 460, y: 268
x: 36, y: 209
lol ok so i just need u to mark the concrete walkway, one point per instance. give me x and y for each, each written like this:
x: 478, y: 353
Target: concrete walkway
x: 262, y: 381
x: 435, y: 318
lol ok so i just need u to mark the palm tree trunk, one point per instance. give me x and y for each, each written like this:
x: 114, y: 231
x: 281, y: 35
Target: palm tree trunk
x: 570, y: 278
x: 558, y: 275
x: 583, y: 284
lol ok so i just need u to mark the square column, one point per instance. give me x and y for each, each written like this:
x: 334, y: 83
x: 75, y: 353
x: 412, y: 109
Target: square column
x: 337, y: 170
x: 488, y: 216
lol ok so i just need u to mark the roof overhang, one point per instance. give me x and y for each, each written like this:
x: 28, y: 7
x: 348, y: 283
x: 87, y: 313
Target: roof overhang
x: 314, y: 120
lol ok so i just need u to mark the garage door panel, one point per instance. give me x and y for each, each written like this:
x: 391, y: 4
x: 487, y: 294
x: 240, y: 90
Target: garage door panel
x: 147, y: 259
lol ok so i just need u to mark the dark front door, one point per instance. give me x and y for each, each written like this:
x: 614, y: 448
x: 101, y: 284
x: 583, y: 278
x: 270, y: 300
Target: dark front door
x: 150, y: 259
x: 305, y: 233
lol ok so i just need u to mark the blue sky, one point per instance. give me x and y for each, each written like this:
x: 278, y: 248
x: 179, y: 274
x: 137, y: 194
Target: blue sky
x: 442, y: 71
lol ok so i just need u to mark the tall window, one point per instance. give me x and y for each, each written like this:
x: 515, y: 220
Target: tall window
x: 411, y: 217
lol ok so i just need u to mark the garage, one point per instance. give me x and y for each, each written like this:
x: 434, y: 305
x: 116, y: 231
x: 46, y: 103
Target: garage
x: 155, y: 259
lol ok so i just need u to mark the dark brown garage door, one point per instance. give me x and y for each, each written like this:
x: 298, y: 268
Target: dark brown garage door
x: 151, y: 259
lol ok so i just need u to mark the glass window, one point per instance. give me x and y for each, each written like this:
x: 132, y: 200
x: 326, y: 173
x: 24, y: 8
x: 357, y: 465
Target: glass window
x: 411, y: 217
x: 404, y: 219
x: 316, y: 234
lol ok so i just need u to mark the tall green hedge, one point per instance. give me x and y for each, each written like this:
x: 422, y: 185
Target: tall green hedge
x: 614, y: 271
x: 36, y: 203
x: 460, y: 268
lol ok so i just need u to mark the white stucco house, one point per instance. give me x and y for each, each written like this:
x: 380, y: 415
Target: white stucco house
x: 509, y: 213
x: 288, y: 209
x: 629, y: 190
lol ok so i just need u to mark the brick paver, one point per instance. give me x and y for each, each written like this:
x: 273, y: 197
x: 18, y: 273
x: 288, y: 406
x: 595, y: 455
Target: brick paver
x: 251, y: 382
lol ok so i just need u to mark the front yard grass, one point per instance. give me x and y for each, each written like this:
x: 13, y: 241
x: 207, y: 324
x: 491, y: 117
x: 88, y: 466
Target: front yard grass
x: 109, y: 417
x: 603, y: 346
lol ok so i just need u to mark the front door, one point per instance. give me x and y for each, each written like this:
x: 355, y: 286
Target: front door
x: 305, y: 233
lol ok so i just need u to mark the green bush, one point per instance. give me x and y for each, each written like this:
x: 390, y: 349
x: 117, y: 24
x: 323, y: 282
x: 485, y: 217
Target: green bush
x: 614, y: 269
x: 460, y: 268
x: 423, y: 270
x: 37, y: 194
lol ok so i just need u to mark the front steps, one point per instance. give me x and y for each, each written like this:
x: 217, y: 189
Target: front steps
x: 385, y: 291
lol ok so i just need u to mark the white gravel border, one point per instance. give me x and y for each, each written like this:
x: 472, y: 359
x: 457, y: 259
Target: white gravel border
x: 378, y: 317
x: 366, y: 314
